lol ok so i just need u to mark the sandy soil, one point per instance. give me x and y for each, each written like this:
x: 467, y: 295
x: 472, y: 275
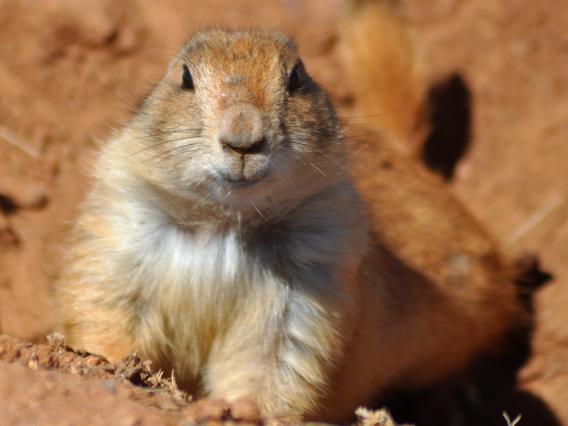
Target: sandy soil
x: 53, y: 384
x: 71, y: 71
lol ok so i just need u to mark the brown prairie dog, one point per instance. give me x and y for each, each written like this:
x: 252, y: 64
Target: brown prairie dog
x: 234, y: 236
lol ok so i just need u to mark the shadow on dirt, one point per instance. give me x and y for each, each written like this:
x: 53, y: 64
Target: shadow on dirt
x: 490, y: 388
x: 450, y: 104
x: 480, y: 396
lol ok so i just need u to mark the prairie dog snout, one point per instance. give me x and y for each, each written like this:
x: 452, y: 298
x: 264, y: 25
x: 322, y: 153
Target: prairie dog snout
x: 241, y: 129
x: 244, y: 142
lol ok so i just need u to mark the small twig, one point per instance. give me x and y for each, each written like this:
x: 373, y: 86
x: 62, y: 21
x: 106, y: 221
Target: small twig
x: 535, y: 219
x: 368, y: 417
x: 14, y: 140
x: 511, y: 422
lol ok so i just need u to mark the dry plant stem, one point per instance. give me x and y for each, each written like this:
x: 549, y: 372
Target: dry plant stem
x: 9, y: 136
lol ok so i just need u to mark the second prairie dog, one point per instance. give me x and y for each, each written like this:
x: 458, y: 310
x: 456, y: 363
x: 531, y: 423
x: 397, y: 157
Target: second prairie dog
x: 234, y: 236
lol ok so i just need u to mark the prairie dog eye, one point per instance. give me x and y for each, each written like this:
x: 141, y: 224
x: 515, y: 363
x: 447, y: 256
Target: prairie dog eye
x: 297, y: 78
x: 186, y: 79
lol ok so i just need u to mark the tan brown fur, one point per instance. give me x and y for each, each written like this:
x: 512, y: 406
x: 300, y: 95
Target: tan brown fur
x: 343, y: 271
x: 383, y: 69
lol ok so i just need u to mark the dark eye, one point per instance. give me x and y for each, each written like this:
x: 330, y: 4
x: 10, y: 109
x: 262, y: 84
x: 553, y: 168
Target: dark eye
x: 296, y: 78
x: 186, y: 79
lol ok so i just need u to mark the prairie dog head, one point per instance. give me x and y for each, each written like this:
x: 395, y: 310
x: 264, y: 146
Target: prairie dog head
x: 237, y: 119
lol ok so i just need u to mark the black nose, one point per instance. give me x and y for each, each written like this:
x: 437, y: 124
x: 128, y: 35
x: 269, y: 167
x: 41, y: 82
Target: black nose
x: 244, y: 147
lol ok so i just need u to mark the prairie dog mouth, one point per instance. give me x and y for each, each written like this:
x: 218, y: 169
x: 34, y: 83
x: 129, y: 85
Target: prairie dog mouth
x: 243, y: 179
x: 241, y: 182
x: 245, y: 171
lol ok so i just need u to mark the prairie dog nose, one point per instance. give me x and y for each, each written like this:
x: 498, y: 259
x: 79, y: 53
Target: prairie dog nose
x: 241, y: 129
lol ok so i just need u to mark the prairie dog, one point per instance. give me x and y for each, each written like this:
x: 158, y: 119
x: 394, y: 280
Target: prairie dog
x: 234, y: 236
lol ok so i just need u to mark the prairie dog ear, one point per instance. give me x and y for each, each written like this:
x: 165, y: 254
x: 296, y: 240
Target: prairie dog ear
x: 174, y: 71
x: 175, y: 62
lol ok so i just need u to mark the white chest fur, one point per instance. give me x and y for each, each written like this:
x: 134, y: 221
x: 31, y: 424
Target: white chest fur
x: 208, y: 298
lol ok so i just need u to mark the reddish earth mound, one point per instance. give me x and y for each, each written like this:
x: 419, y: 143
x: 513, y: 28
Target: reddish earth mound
x: 96, y: 392
x: 68, y: 387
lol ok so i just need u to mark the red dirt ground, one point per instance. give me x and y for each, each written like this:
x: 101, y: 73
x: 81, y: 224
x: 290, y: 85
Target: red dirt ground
x: 70, y: 71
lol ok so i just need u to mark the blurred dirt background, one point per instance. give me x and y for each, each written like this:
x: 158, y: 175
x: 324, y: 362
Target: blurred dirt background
x: 71, y: 71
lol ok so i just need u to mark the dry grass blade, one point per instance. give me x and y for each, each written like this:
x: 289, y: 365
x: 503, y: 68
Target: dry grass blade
x: 368, y: 417
x: 535, y: 219
x: 14, y: 140
x: 511, y: 422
